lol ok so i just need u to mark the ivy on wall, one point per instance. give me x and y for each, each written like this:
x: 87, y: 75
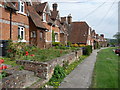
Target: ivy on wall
x: 53, y: 36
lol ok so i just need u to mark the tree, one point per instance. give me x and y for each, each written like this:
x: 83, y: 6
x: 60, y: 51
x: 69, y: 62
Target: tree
x: 117, y: 36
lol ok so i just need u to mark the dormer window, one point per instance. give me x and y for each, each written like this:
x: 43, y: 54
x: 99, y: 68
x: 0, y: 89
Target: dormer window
x: 44, y: 17
x: 21, y: 6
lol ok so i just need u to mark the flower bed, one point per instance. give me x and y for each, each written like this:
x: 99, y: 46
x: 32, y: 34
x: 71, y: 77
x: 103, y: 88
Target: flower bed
x: 21, y: 51
x: 45, y: 69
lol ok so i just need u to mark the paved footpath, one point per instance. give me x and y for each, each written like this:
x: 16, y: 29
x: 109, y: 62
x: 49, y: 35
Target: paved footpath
x: 81, y: 76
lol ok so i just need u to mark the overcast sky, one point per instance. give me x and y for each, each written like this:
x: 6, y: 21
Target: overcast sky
x: 101, y: 15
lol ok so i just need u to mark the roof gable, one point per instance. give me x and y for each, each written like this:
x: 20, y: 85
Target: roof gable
x: 35, y: 17
x: 79, y: 32
x: 40, y: 7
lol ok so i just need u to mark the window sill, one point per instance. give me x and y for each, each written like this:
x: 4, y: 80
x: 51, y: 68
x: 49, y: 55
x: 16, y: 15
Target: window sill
x: 44, y: 21
x: 22, y: 13
x: 22, y: 40
x: 57, y: 41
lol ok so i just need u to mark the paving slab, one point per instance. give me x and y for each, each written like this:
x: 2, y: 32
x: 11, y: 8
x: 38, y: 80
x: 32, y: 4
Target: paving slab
x: 81, y: 76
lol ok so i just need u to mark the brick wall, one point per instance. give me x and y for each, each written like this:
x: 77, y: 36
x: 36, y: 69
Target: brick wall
x: 17, y: 20
x: 45, y: 69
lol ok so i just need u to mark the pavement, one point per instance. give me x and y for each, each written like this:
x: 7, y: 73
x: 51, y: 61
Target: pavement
x: 81, y: 76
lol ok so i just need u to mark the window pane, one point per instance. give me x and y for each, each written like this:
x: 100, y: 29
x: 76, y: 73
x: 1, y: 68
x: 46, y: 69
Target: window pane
x: 18, y: 33
x: 22, y: 8
x: 19, y: 6
x: 56, y: 37
x: 22, y: 34
x: 41, y: 35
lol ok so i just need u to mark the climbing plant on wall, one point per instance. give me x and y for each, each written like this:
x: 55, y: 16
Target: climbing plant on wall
x: 53, y: 36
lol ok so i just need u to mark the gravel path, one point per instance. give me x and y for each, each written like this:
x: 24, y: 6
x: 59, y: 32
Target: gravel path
x: 81, y: 76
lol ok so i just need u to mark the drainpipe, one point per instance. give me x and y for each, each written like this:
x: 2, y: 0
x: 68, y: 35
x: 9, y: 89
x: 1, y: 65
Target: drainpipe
x: 10, y: 24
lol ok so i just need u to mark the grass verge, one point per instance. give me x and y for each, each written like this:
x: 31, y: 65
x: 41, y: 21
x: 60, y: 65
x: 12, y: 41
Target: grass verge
x: 106, y: 70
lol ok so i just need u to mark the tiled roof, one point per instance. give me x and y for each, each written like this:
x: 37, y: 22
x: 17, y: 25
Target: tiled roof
x: 54, y: 14
x: 11, y: 5
x: 56, y: 29
x: 35, y: 17
x: 47, y: 26
x: 78, y: 32
x: 50, y: 20
x: 40, y: 7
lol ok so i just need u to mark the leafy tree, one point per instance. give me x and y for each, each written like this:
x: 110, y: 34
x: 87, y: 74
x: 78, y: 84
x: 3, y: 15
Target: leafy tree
x: 117, y: 36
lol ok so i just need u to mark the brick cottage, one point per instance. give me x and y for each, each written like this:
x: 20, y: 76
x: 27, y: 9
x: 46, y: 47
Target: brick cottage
x: 34, y: 23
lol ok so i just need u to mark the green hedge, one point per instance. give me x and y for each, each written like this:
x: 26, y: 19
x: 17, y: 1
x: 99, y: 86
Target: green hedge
x: 87, y: 50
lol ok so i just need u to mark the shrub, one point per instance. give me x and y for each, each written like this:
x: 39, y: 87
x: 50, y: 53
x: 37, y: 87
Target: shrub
x: 53, y: 36
x: 75, y: 45
x: 58, y: 76
x: 87, y: 50
x: 81, y: 45
x: 56, y: 44
x: 69, y: 43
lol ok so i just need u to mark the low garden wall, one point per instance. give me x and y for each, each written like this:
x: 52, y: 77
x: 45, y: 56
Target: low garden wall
x: 18, y: 79
x: 45, y: 70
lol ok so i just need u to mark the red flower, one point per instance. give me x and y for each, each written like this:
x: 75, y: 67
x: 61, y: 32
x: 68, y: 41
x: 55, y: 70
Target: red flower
x: 60, y: 51
x: 32, y: 55
x: 9, y: 50
x: 4, y: 67
x: 2, y: 60
x: 26, y: 53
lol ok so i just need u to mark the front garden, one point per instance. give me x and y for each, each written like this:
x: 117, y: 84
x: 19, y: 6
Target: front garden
x: 23, y: 52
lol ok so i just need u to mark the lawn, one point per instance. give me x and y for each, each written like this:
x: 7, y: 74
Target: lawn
x: 106, y: 70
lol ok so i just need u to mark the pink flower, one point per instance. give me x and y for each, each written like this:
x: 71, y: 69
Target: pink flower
x: 26, y: 54
x: 2, y: 60
x: 32, y: 55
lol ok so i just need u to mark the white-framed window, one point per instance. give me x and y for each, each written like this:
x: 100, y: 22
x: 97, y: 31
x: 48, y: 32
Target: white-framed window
x: 21, y: 6
x: 33, y: 34
x: 41, y: 35
x: 44, y: 17
x: 21, y: 33
x: 56, y: 37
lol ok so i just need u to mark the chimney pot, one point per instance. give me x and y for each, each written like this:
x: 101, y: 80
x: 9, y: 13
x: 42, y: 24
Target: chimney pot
x: 55, y: 7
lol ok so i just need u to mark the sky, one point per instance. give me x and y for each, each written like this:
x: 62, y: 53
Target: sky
x: 101, y: 15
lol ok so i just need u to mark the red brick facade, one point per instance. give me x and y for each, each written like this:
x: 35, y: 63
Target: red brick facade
x: 34, y: 23
x: 17, y: 20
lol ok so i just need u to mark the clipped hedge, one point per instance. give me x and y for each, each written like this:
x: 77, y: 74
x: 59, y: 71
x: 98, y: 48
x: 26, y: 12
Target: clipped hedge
x: 87, y: 50
x: 57, y: 44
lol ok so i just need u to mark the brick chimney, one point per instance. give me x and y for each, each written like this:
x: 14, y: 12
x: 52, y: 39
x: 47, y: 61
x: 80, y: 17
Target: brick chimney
x: 97, y: 36
x: 102, y: 35
x: 55, y: 6
x: 69, y: 19
x: 63, y: 19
